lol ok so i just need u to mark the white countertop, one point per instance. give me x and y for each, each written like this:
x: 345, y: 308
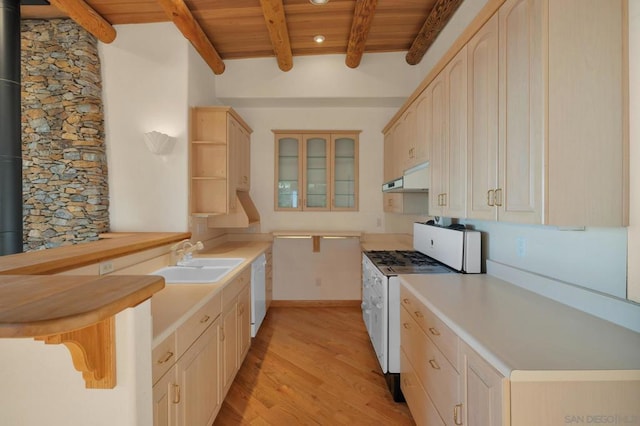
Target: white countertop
x: 515, y: 329
x: 174, y: 304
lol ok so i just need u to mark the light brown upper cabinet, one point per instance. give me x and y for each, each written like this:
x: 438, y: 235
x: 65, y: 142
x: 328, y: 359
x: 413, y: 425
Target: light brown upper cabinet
x: 547, y: 122
x: 316, y: 171
x: 558, y: 157
x: 448, y: 135
x: 219, y: 160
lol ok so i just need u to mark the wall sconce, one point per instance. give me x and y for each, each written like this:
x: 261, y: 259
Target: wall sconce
x: 159, y: 143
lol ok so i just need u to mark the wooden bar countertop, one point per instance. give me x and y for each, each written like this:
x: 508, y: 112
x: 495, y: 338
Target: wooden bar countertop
x: 41, y: 305
x: 34, y: 303
x: 55, y: 260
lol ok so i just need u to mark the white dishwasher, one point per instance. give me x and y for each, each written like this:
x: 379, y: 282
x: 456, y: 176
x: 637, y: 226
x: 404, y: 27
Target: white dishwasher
x: 258, y: 293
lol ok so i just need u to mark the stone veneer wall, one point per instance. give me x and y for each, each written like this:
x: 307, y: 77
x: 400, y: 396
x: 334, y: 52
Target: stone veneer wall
x: 65, y: 186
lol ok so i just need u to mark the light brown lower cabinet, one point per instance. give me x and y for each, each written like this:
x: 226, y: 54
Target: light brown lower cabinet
x: 188, y: 393
x: 485, y: 390
x: 190, y: 385
x: 446, y: 382
x: 460, y: 388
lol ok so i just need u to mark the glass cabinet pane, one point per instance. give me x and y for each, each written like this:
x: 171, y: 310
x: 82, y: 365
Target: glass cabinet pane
x: 316, y: 178
x: 344, y: 173
x: 316, y: 171
x: 288, y: 172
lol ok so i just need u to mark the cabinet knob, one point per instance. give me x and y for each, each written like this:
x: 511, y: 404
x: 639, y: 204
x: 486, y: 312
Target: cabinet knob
x: 434, y: 364
x: 418, y: 314
x: 205, y: 319
x: 406, y: 301
x: 406, y: 325
x: 434, y: 331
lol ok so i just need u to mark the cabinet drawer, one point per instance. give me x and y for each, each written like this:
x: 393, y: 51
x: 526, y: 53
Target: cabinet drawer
x: 422, y: 409
x: 445, y: 339
x: 163, y: 357
x: 230, y: 291
x: 189, y: 331
x: 436, y: 374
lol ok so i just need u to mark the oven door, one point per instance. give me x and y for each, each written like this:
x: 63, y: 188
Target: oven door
x: 367, y: 292
x: 374, y: 309
x: 379, y: 322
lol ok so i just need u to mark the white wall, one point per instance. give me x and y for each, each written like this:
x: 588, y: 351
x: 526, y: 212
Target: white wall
x: 40, y: 385
x: 385, y: 78
x: 149, y: 85
x: 369, y: 120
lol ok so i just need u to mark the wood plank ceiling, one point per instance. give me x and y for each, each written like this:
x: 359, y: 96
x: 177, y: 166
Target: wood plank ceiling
x: 235, y: 29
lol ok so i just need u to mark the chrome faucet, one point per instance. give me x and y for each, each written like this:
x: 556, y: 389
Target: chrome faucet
x: 182, y: 252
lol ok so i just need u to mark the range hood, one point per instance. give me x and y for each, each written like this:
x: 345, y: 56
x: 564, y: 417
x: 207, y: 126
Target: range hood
x: 415, y: 179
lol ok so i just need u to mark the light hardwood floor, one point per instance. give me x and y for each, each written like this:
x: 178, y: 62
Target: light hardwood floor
x: 311, y: 366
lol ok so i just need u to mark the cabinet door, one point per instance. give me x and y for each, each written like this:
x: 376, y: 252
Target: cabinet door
x: 408, y: 138
x: 388, y: 165
x: 521, y: 108
x: 229, y: 345
x: 344, y: 172
x: 423, y: 124
x: 243, y: 160
x: 198, y: 380
x: 456, y: 78
x: 587, y: 147
x: 482, y: 136
x: 166, y: 399
x: 244, y: 323
x: 438, y: 136
x: 483, y: 391
x: 288, y: 172
x: 316, y: 165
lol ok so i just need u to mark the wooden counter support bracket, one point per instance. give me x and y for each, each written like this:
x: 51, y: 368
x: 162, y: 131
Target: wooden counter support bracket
x: 92, y: 351
x: 316, y: 243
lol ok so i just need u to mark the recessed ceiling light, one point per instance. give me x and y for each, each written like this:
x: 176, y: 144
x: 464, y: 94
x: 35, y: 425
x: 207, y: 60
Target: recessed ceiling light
x: 318, y: 38
x: 318, y: 2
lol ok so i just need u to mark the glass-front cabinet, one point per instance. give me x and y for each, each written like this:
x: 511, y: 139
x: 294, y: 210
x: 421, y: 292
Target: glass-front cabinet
x: 344, y: 182
x: 288, y: 172
x: 316, y: 171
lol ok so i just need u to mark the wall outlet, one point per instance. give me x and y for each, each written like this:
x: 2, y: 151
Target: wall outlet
x: 106, y: 267
x: 318, y: 282
x: 521, y: 246
x: 200, y: 228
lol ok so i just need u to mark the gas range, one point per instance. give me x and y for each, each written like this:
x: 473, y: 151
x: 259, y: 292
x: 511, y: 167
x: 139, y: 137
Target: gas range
x: 395, y: 262
x: 437, y: 250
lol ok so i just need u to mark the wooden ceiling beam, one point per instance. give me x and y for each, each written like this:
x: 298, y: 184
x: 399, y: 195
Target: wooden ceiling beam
x: 87, y: 18
x: 273, y: 11
x: 435, y: 22
x: 360, y: 26
x: 182, y: 17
